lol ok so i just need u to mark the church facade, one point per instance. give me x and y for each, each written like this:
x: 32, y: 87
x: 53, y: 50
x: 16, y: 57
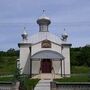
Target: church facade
x: 44, y: 52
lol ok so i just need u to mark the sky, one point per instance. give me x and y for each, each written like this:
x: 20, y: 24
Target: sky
x: 73, y: 15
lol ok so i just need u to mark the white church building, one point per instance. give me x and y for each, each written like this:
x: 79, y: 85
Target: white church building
x: 44, y: 52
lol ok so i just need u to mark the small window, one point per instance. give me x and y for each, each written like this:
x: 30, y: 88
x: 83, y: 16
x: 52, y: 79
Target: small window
x: 46, y: 44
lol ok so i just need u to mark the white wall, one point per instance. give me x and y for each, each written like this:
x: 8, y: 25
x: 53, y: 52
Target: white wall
x: 37, y: 47
x: 35, y: 66
x: 25, y: 59
x: 66, y: 61
x: 57, y: 66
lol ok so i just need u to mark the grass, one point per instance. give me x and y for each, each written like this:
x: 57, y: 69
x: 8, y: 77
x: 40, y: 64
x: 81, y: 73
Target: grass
x: 80, y: 69
x: 82, y: 74
x: 83, y: 78
x: 6, y: 79
x: 7, y: 65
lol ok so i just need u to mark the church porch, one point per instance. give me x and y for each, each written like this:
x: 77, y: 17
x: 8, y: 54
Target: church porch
x: 47, y: 64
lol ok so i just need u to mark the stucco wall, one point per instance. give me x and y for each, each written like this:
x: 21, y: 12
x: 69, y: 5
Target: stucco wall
x: 66, y: 61
x: 25, y: 59
x: 54, y: 47
x: 57, y: 66
x: 35, y: 66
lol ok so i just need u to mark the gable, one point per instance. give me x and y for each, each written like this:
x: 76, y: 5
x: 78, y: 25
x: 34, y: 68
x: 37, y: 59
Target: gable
x: 38, y: 47
x: 44, y: 36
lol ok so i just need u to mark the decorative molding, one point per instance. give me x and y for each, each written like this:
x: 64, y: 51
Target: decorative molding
x: 46, y: 44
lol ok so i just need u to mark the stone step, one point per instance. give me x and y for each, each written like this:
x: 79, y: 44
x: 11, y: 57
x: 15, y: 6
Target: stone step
x: 43, y: 85
x: 46, y: 76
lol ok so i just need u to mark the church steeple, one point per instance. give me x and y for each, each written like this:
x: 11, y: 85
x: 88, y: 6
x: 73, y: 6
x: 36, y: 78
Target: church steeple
x: 43, y: 22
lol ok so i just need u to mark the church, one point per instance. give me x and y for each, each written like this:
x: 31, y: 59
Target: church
x: 44, y: 52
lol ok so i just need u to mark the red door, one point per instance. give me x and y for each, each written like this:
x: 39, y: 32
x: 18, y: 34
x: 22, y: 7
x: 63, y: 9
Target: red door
x: 46, y: 66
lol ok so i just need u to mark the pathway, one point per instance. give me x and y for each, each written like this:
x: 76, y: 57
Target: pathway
x: 43, y: 85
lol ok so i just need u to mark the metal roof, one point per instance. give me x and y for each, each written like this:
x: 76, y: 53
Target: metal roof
x: 47, y: 54
x: 40, y: 36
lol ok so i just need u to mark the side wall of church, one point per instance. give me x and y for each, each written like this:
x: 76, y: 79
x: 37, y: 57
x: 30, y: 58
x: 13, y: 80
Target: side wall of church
x: 66, y: 61
x: 25, y: 59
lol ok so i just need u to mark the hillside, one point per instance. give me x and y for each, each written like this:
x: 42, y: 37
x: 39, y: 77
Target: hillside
x: 8, y: 61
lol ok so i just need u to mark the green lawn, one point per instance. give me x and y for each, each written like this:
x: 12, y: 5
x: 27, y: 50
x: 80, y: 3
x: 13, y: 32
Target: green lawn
x: 78, y: 74
x: 83, y: 78
x: 7, y: 65
x: 6, y: 79
x: 80, y: 69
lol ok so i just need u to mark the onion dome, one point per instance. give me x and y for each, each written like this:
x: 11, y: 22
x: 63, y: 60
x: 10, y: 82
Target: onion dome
x: 24, y: 35
x: 64, y: 36
x: 43, y: 22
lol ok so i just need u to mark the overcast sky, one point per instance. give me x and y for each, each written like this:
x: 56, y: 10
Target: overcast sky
x: 73, y: 15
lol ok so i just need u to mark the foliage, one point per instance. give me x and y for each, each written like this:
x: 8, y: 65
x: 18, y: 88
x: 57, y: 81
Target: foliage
x: 80, y: 56
x: 11, y: 52
x: 30, y: 83
x: 17, y: 75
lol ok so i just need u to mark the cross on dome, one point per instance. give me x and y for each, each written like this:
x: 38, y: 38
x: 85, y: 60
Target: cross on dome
x: 44, y: 12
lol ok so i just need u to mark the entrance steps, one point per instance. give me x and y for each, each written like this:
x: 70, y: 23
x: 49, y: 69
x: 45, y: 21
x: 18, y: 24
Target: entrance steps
x: 47, y: 76
x: 43, y: 85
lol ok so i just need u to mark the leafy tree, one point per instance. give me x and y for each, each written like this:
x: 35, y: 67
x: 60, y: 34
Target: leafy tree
x: 80, y: 56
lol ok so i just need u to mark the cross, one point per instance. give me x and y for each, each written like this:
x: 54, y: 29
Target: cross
x: 24, y: 28
x: 44, y: 12
x: 64, y: 29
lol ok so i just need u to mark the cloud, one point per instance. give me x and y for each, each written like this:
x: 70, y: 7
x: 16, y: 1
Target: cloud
x: 74, y: 15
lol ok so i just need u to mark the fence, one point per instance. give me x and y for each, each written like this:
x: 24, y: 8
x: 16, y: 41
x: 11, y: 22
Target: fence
x: 70, y: 86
